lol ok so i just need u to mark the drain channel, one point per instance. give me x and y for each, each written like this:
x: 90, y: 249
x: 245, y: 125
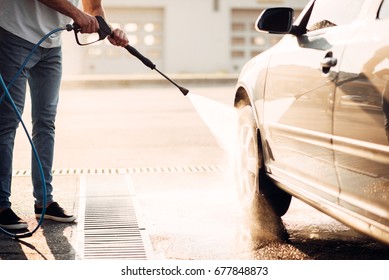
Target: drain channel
x: 122, y: 171
x: 111, y: 230
x: 108, y: 227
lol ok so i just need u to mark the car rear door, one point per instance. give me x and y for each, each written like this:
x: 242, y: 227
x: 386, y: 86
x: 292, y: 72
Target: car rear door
x: 361, y: 118
x: 299, y: 94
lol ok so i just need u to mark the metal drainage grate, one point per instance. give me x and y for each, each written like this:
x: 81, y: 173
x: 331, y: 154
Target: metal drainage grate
x: 111, y: 230
x: 120, y: 171
x: 108, y: 226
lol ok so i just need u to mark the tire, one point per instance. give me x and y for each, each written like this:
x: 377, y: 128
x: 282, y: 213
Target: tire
x: 260, y: 197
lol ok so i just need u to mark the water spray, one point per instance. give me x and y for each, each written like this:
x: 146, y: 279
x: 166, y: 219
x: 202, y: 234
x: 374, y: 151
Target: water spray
x: 105, y: 31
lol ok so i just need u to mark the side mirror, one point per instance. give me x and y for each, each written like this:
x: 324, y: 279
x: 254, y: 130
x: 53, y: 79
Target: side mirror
x: 275, y: 20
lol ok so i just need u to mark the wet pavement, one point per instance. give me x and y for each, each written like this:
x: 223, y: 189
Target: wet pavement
x: 181, y: 215
x: 187, y: 207
x: 52, y: 241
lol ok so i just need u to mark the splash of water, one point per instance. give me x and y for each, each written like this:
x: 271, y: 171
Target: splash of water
x: 260, y: 225
x: 220, y: 118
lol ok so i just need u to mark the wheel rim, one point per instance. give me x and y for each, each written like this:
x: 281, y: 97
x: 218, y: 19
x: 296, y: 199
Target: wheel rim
x: 248, y: 164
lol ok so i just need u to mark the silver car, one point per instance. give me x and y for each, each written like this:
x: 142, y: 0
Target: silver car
x: 314, y: 114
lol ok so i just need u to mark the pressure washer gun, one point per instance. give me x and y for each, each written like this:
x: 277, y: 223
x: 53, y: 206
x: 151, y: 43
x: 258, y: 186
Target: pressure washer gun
x: 105, y: 31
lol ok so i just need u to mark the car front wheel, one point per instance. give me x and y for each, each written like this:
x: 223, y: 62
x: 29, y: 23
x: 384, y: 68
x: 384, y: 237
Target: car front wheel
x: 263, y: 201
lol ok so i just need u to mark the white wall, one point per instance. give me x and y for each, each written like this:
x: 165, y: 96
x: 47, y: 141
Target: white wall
x: 196, y: 37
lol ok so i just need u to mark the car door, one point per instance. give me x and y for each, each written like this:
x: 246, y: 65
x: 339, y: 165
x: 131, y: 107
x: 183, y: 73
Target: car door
x: 361, y: 118
x: 299, y: 93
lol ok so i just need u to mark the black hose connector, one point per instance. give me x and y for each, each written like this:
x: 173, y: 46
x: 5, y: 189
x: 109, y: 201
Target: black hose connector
x: 69, y: 27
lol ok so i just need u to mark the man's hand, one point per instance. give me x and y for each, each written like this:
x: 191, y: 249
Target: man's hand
x: 86, y: 22
x: 118, y: 38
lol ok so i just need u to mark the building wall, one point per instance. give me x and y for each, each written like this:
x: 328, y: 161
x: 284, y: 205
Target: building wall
x: 179, y: 36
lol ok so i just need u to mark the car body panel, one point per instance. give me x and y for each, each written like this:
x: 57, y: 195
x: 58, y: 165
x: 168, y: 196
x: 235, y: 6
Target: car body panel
x: 299, y: 110
x: 322, y: 127
x: 361, y: 128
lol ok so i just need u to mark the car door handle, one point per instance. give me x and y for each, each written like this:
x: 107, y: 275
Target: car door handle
x: 329, y: 62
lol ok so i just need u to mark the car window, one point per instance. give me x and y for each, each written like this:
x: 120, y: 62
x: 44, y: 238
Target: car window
x: 384, y: 10
x: 329, y: 13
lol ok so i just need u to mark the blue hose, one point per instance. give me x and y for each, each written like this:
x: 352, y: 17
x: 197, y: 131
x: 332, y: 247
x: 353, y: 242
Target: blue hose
x: 36, y: 156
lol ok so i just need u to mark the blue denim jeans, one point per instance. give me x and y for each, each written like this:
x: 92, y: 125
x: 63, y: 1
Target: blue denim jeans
x: 43, y: 74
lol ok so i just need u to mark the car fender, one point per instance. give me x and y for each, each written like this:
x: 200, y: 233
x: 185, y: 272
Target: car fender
x: 250, y: 88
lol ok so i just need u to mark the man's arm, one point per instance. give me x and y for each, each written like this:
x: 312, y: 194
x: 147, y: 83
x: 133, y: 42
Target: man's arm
x: 93, y: 7
x: 87, y: 22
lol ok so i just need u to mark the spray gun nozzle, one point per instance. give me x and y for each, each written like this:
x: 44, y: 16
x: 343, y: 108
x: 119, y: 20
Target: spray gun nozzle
x: 183, y: 90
